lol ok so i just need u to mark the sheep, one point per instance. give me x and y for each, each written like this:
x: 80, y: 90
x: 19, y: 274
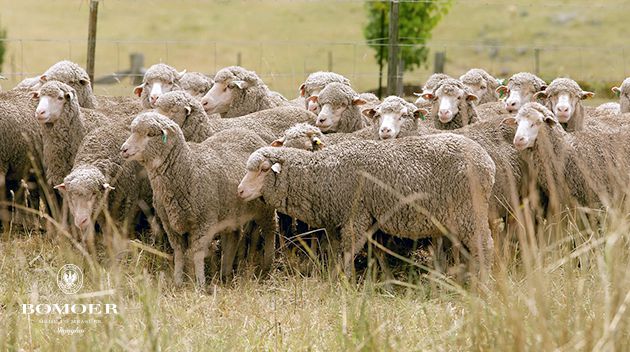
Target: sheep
x: 564, y: 98
x: 395, y: 118
x: 452, y: 105
x: 481, y: 84
x: 409, y: 205
x: 158, y: 79
x: 196, y: 83
x: 76, y: 77
x: 29, y: 83
x: 584, y: 167
x: 194, y: 187
x: 237, y: 92
x: 623, y: 92
x: 20, y: 140
x: 520, y: 89
x: 196, y: 125
x: 340, y: 109
x: 314, y: 83
x: 101, y: 179
x: 429, y: 86
x: 64, y: 124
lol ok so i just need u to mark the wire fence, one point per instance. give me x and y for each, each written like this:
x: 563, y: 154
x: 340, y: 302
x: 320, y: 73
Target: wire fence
x: 284, y: 64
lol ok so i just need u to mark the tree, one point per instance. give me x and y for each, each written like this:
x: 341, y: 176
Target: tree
x: 416, y: 21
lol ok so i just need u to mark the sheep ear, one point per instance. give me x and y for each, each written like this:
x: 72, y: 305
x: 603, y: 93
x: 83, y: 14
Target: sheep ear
x: 471, y: 97
x: 69, y: 95
x: 358, y: 101
x: 107, y: 187
x: 188, y: 110
x: 543, y: 87
x: 43, y: 78
x: 302, y: 90
x: 540, y: 95
x: 509, y: 121
x: 84, y: 81
x: 239, y: 84
x: 419, y: 94
x: 586, y: 95
x: 138, y: 90
x: 278, y: 142
x: 549, y: 118
x: 420, y: 114
x: 61, y: 187
x: 34, y: 94
x: 181, y: 74
x: 428, y: 96
x: 502, y: 90
x: 276, y: 168
x: 369, y: 113
x: 616, y: 90
x: 313, y: 98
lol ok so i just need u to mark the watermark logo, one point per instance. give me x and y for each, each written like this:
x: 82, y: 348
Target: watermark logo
x: 70, y: 279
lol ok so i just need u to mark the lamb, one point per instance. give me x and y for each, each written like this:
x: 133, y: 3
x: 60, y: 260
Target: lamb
x: 623, y: 92
x: 584, y: 167
x: 564, y: 98
x: 196, y: 125
x: 101, y: 179
x: 194, y: 188
x: 196, y: 83
x: 314, y: 83
x: 340, y: 109
x: 452, y: 105
x: 409, y: 205
x: 429, y: 87
x: 237, y: 92
x: 158, y: 79
x: 64, y: 124
x: 520, y: 89
x: 481, y: 84
x: 76, y: 77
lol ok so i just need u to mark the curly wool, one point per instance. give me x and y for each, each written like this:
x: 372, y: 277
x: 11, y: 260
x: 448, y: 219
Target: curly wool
x: 467, y: 113
x: 158, y: 72
x: 319, y: 80
x: 458, y: 199
x: 197, y: 126
x: 62, y: 138
x: 76, y: 77
x: 526, y: 80
x: 255, y: 97
x: 338, y: 94
x: 434, y: 80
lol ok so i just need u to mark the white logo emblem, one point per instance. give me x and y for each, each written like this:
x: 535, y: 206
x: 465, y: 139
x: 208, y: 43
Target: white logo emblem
x: 70, y: 279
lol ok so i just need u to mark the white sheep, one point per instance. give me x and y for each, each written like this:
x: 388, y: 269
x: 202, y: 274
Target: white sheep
x: 520, y: 89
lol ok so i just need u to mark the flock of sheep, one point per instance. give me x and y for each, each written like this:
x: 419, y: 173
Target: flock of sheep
x: 227, y: 158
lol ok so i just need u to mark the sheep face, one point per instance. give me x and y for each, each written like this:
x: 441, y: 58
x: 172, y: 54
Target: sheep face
x: 301, y: 136
x: 392, y: 119
x: 479, y: 89
x: 51, y: 103
x: 83, y: 189
x: 220, y: 96
x: 528, y: 122
x: 563, y: 104
x: 157, y: 87
x: 329, y: 114
x: 145, y: 138
x: 517, y: 95
x: 623, y: 92
x: 447, y: 99
x: 258, y: 168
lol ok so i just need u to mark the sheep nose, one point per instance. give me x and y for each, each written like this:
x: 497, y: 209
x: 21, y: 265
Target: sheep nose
x: 444, y: 112
x: 40, y: 112
x: 563, y: 108
x: 82, y: 223
x: 240, y: 191
x: 154, y: 98
x: 512, y: 103
x: 386, y: 130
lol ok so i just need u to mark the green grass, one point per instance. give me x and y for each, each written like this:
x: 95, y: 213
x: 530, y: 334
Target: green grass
x: 294, y: 37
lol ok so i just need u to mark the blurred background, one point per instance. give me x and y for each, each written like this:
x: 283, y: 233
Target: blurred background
x: 284, y: 41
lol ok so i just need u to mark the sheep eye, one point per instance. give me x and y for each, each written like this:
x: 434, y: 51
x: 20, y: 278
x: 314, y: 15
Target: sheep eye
x: 60, y: 98
x: 264, y: 168
x: 483, y: 87
x: 153, y: 134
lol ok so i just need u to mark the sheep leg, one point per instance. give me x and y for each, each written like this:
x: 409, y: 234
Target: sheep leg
x: 353, y: 238
x: 481, y: 247
x: 268, y: 229
x: 229, y: 246
x: 177, y: 243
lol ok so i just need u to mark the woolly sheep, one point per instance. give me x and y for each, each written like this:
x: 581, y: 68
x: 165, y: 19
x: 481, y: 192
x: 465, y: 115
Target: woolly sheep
x: 158, y: 79
x: 196, y: 125
x: 410, y: 202
x: 481, y: 84
x: 194, y: 187
x: 586, y: 167
x: 101, y: 179
x: 340, y: 109
x: 429, y: 87
x: 564, y: 98
x: 314, y: 83
x: 395, y: 118
x: 196, y: 83
x: 64, y: 124
x: 452, y: 105
x: 237, y: 92
x: 623, y: 92
x: 520, y: 89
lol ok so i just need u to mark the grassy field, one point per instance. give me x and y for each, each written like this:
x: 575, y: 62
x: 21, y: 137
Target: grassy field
x: 285, y: 40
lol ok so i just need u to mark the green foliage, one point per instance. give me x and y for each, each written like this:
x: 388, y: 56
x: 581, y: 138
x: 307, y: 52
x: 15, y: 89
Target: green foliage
x: 416, y: 21
x: 3, y: 48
